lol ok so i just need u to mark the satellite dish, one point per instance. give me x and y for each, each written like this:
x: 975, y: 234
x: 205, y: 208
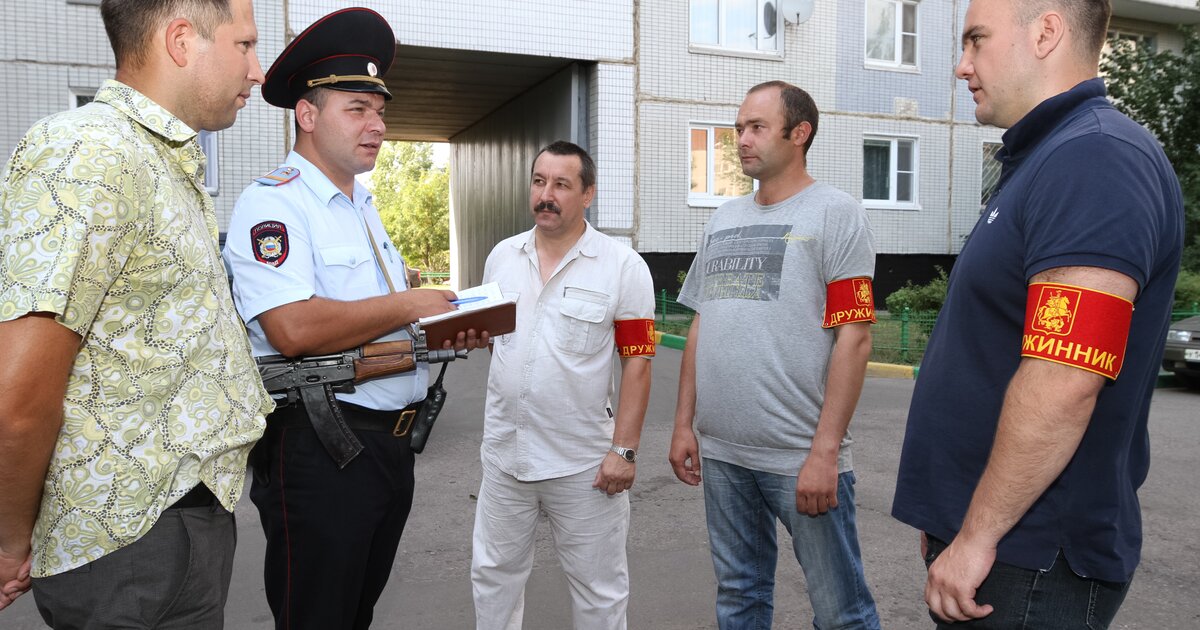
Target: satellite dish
x: 768, y: 18
x: 796, y: 11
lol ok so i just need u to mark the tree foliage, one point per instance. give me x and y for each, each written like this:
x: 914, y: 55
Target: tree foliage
x: 413, y: 198
x: 1161, y: 90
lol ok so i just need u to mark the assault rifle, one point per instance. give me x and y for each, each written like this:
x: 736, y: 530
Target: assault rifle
x: 314, y: 381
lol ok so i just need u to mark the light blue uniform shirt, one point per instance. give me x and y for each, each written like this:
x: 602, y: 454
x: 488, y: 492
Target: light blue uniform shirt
x: 291, y: 241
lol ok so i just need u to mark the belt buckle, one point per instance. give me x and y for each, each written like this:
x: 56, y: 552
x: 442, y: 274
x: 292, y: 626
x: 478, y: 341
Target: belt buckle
x: 404, y: 422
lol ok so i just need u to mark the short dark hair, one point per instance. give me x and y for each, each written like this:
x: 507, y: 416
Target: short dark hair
x: 131, y: 24
x: 317, y: 96
x: 798, y: 107
x: 587, y: 168
x: 1088, y: 18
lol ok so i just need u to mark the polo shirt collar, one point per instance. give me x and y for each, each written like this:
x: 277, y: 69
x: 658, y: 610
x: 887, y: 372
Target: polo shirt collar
x: 1044, y: 118
x: 320, y: 185
x: 144, y: 111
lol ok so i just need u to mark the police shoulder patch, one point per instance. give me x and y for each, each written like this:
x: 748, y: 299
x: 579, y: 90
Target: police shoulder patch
x: 269, y: 241
x: 279, y: 176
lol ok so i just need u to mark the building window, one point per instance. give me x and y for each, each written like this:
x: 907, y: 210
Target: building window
x: 740, y: 25
x: 81, y: 96
x: 890, y: 172
x: 1136, y: 39
x: 892, y: 33
x: 208, y: 143
x: 716, y: 171
x: 989, y: 174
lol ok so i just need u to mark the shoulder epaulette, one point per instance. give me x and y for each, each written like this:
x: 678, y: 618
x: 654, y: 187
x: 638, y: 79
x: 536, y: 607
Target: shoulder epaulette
x: 279, y: 176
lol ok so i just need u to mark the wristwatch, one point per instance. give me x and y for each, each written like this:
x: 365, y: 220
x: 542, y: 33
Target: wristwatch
x: 627, y: 454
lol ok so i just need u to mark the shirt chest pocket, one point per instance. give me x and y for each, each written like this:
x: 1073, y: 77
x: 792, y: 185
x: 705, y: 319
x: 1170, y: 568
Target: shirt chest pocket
x: 347, y: 272
x: 584, y: 326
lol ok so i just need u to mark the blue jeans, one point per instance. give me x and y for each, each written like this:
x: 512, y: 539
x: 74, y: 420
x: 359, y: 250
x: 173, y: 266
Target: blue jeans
x: 741, y: 506
x: 1028, y: 598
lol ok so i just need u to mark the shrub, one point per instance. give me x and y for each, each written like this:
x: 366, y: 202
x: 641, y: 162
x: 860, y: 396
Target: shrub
x: 919, y: 297
x: 1187, y: 290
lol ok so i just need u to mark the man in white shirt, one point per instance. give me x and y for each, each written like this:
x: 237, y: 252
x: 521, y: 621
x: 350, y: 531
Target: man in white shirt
x: 552, y: 441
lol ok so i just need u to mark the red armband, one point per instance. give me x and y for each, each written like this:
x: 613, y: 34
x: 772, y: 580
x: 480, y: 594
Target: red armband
x: 635, y: 337
x: 1076, y: 326
x: 848, y: 301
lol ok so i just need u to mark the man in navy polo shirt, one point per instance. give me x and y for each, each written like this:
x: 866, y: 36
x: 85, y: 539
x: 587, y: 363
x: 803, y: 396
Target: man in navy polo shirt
x: 1027, y: 438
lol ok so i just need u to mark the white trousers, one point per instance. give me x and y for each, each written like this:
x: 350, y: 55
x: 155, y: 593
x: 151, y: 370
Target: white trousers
x: 589, y: 529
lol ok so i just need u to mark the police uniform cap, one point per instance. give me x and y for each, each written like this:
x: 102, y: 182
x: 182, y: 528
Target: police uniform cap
x: 348, y: 50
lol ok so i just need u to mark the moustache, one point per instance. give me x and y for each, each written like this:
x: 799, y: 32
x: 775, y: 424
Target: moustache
x: 547, y: 206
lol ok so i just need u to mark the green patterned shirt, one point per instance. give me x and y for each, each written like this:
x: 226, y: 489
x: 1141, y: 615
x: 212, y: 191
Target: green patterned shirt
x: 104, y: 221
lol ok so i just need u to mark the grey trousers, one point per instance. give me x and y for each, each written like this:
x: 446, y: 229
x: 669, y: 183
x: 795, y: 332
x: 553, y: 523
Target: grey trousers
x: 176, y: 576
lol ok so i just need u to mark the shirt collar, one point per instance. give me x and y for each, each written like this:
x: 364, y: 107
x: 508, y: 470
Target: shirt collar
x: 586, y: 245
x: 320, y: 185
x: 144, y: 111
x: 1044, y: 118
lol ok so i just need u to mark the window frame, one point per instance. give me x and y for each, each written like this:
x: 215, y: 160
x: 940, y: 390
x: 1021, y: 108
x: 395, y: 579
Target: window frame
x: 897, y: 63
x: 75, y: 93
x: 892, y: 203
x: 212, y: 172
x: 983, y: 164
x: 721, y: 48
x: 708, y: 199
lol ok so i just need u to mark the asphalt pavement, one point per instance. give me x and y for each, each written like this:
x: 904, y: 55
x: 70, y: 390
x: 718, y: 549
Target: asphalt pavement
x: 671, y: 574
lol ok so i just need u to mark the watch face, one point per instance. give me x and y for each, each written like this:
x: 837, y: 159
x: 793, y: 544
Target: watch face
x: 628, y: 454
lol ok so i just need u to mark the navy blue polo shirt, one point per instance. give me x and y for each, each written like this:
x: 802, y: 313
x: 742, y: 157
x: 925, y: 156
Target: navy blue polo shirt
x: 1081, y: 185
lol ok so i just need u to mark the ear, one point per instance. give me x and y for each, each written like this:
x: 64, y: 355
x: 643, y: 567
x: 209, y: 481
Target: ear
x: 801, y: 133
x: 179, y: 38
x: 588, y: 195
x: 306, y: 115
x: 1051, y: 29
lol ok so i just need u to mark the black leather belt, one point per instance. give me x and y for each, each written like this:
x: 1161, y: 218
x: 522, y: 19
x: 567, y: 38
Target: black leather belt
x: 200, y: 496
x: 398, y: 422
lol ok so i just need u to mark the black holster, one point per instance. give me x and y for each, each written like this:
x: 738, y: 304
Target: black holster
x: 435, y: 398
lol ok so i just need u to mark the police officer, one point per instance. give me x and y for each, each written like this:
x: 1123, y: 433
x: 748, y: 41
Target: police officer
x: 315, y: 273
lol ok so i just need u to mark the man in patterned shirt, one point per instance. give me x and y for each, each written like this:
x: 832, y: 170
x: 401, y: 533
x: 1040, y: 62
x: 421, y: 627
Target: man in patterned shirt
x: 128, y: 396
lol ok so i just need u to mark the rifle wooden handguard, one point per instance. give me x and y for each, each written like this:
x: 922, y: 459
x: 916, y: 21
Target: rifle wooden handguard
x: 384, y: 359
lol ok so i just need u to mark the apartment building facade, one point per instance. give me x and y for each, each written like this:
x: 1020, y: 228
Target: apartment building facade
x: 650, y: 87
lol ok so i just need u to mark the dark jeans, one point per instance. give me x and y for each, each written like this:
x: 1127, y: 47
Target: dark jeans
x: 1028, y: 599
x: 176, y: 576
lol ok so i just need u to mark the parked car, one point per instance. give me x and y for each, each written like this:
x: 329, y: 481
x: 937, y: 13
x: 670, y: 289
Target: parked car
x: 1183, y: 351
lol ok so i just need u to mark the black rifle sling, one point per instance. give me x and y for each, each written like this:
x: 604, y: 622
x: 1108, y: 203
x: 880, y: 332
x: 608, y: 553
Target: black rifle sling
x: 326, y: 418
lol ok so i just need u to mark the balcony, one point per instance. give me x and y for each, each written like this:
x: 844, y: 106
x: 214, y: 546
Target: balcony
x: 1161, y: 11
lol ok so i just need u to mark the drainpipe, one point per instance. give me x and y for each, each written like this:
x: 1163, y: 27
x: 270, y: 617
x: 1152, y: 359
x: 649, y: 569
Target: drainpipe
x: 288, y: 36
x: 953, y: 125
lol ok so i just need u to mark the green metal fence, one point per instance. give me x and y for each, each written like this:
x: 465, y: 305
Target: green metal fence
x: 435, y: 277
x: 1178, y: 315
x: 896, y: 338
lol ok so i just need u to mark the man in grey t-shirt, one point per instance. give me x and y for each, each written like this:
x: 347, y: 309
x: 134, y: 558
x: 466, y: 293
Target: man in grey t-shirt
x: 772, y: 371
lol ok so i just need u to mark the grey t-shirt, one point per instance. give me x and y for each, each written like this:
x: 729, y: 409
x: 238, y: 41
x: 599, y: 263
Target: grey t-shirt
x: 758, y: 283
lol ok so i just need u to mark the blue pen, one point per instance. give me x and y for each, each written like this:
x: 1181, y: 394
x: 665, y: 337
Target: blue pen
x: 468, y: 300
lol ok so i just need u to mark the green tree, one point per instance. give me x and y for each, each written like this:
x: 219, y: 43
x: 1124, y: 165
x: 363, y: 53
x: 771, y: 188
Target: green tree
x: 1161, y: 90
x: 413, y: 198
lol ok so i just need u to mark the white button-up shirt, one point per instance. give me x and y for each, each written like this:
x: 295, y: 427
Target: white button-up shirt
x: 328, y: 254
x: 549, y: 402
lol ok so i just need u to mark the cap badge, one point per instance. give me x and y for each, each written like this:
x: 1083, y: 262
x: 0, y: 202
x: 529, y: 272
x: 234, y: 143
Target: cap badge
x: 372, y: 69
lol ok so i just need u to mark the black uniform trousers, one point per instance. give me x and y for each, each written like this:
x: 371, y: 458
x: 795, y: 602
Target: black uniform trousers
x: 331, y: 534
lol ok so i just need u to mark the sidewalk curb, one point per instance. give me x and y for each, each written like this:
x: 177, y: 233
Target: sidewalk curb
x: 879, y: 370
x: 671, y: 341
x: 891, y: 370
